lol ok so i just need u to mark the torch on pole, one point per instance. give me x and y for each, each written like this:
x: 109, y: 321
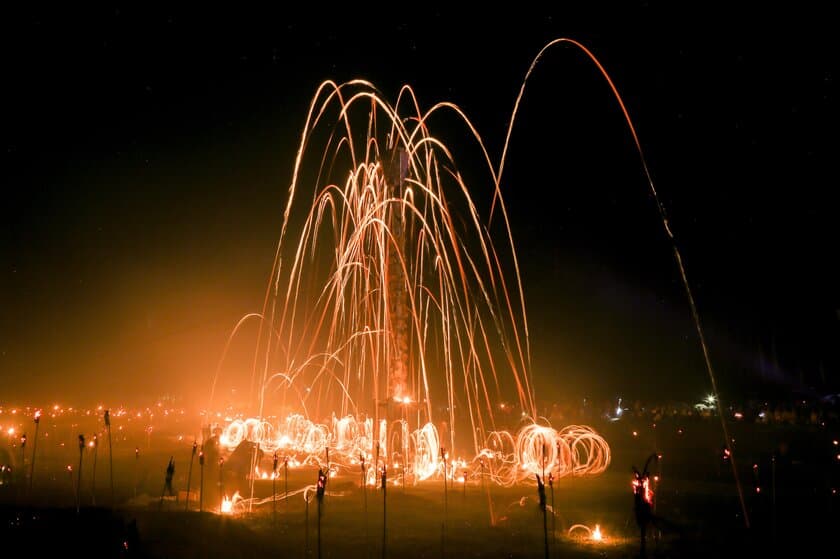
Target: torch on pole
x: 136, y: 463
x: 445, y: 497
x: 364, y: 499
x: 274, y: 490
x: 553, y: 511
x: 95, y: 443
x: 221, y: 485
x: 541, y: 493
x: 322, y: 487
x: 189, y: 475
x: 22, y: 461
x: 286, y: 485
x: 201, y: 480
x: 79, y: 475
x: 384, y: 510
x: 306, y: 524
x: 37, y: 420
x: 110, y: 453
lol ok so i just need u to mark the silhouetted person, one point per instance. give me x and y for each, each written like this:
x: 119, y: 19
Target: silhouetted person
x: 170, y: 471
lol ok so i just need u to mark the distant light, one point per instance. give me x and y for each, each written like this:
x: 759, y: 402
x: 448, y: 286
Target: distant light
x: 710, y: 399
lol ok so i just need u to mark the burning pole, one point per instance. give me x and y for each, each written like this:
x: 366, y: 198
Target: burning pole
x: 37, y: 420
x: 306, y: 524
x: 189, y: 475
x: 221, y: 484
x: 465, y: 485
x: 22, y: 458
x: 541, y: 493
x: 384, y: 509
x: 643, y: 501
x: 286, y: 485
x: 445, y: 495
x: 95, y: 444
x: 110, y: 453
x: 486, y: 490
x: 79, y: 475
x: 136, y: 464
x: 553, y: 511
x: 322, y: 487
x: 274, y: 490
x: 364, y: 498
x: 201, y: 480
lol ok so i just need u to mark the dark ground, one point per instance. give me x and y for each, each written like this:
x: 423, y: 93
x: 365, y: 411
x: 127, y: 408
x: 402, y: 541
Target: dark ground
x: 696, y: 497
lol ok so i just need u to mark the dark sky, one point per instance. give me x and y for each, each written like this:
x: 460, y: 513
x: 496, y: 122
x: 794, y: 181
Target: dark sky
x: 146, y: 157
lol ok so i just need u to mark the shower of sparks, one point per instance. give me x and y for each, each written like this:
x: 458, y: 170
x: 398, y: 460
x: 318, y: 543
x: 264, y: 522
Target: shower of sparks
x: 393, y: 319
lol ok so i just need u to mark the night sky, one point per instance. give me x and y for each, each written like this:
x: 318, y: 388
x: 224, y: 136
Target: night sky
x: 147, y: 156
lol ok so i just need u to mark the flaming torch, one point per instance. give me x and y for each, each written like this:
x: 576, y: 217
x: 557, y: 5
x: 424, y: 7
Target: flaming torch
x: 384, y: 509
x: 189, y: 475
x: 22, y: 451
x: 274, y: 490
x: 221, y: 485
x: 95, y: 444
x: 553, y: 512
x: 79, y: 474
x: 201, y: 481
x: 322, y: 488
x: 136, y: 462
x: 110, y: 453
x: 37, y: 420
x: 643, y: 500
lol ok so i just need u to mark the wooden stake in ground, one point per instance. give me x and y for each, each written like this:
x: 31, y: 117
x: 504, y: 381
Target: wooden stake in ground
x: 541, y: 493
x: 37, y: 420
x: 384, y: 510
x: 136, y: 463
x: 319, y: 493
x: 79, y: 475
x: 110, y: 453
x: 274, y: 491
x: 189, y: 476
x: 93, y: 475
x: 201, y: 480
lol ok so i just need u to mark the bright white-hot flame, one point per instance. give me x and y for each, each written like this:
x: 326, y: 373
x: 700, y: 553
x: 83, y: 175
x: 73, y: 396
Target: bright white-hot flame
x: 596, y: 534
x: 228, y: 504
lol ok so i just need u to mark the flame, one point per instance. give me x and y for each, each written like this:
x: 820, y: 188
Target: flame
x: 227, y: 504
x: 596, y: 534
x: 643, y: 485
